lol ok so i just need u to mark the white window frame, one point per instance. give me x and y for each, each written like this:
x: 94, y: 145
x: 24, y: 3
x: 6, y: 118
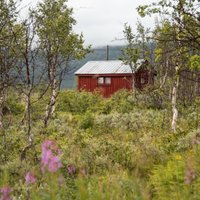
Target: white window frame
x: 103, y: 80
x: 100, y: 80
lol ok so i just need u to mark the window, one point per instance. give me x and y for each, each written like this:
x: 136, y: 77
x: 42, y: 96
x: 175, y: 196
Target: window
x: 143, y: 81
x: 104, y: 80
x: 107, y: 80
x: 100, y: 80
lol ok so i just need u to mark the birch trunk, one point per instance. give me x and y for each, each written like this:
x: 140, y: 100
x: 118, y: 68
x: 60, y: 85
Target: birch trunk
x: 163, y: 81
x: 27, y: 113
x: 28, y: 105
x: 133, y: 86
x: 196, y: 85
x: 51, y: 106
x: 174, y: 103
x: 133, y: 70
x: 1, y: 115
x: 3, y: 97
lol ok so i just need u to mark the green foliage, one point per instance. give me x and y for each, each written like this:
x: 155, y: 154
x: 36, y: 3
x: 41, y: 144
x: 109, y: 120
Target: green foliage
x: 180, y: 13
x: 87, y: 121
x: 77, y: 103
x: 179, y: 178
x: 168, y: 181
x: 54, y: 23
x: 130, y: 54
x: 14, y: 106
x: 108, y: 187
x: 189, y: 140
x: 121, y: 102
x: 194, y: 62
x: 144, y: 10
x: 121, y: 147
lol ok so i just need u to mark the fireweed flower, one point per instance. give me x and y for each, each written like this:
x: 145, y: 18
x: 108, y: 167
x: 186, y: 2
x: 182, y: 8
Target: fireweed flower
x: 5, y: 193
x: 47, y: 144
x: 54, y: 164
x: 30, y: 178
x: 190, y: 176
x: 50, y: 159
x: 71, y: 170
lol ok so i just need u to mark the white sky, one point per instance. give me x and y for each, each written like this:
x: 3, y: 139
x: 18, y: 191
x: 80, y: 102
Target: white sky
x: 102, y: 21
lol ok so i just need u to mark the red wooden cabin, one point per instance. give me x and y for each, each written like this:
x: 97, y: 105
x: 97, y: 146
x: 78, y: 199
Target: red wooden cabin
x: 110, y: 76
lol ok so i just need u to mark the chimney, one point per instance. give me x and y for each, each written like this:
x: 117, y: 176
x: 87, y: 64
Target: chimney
x: 107, y: 52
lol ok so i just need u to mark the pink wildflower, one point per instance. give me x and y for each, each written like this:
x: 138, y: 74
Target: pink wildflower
x: 54, y: 164
x: 71, y: 170
x: 46, y: 156
x: 47, y: 144
x: 59, y: 151
x: 6, y: 193
x: 190, y: 175
x: 49, y: 160
x: 30, y: 178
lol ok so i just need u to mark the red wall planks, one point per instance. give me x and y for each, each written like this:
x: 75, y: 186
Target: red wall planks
x: 89, y: 83
x: 118, y: 82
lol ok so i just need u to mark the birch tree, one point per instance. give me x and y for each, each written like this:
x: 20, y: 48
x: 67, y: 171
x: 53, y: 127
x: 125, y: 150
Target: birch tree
x: 130, y: 54
x: 59, y: 44
x: 184, y: 33
x: 26, y: 70
x: 136, y: 49
x: 7, y: 58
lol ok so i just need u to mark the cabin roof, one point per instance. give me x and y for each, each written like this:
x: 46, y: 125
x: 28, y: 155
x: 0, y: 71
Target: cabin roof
x: 107, y: 67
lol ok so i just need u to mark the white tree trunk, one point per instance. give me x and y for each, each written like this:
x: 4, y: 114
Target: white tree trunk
x: 1, y: 115
x: 196, y: 86
x: 3, y: 97
x: 28, y: 106
x: 133, y: 86
x: 166, y: 75
x: 51, y: 106
x: 174, y: 102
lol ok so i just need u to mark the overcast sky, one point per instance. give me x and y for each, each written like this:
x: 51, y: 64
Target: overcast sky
x: 102, y: 21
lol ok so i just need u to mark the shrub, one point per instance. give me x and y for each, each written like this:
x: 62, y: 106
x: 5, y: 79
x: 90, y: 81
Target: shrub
x: 15, y: 106
x: 77, y: 102
x: 178, y: 179
x: 87, y: 120
x: 118, y: 187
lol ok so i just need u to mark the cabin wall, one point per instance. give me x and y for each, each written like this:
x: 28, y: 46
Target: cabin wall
x: 143, y: 78
x: 89, y: 83
x: 118, y: 82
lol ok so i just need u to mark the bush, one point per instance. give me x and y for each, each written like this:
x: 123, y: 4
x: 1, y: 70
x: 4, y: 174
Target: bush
x: 87, y: 120
x: 77, y: 102
x: 118, y: 187
x: 15, y: 106
x: 178, y: 179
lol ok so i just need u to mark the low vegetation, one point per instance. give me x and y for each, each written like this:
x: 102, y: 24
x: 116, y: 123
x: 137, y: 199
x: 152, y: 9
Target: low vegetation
x: 96, y: 148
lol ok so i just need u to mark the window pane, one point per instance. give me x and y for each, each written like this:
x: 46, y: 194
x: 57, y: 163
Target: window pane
x: 143, y: 81
x: 100, y: 80
x: 107, y: 80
